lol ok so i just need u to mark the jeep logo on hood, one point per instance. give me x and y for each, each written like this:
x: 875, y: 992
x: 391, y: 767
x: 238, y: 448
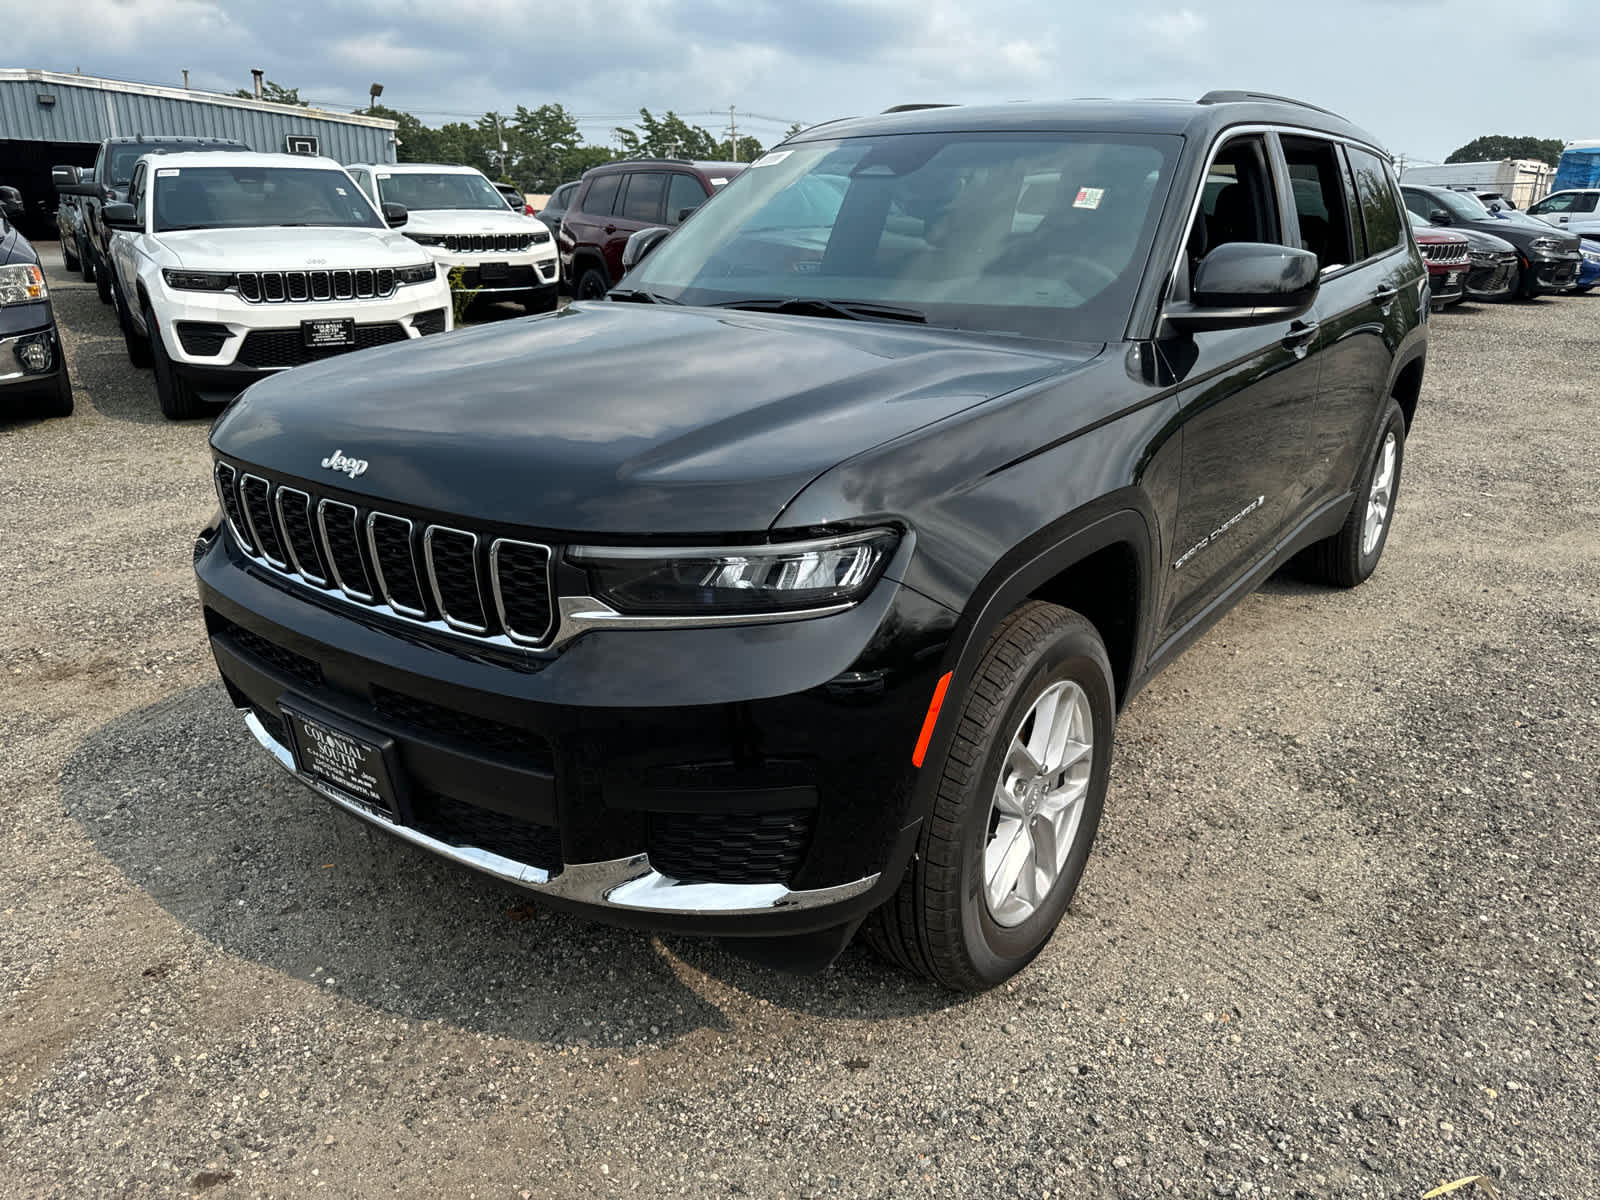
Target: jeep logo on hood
x: 353, y: 467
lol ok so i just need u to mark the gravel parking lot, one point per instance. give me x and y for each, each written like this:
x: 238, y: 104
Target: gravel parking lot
x: 1339, y: 937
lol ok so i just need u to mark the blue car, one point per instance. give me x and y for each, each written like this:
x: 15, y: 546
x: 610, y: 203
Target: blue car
x: 1589, y: 271
x: 33, y: 371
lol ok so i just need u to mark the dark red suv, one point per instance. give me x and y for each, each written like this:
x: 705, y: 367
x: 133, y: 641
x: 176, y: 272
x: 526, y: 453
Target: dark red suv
x: 621, y: 198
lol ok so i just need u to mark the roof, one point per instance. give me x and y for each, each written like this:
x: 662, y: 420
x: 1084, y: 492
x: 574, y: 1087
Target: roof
x: 699, y: 164
x: 244, y: 158
x: 1204, y: 117
x: 411, y: 168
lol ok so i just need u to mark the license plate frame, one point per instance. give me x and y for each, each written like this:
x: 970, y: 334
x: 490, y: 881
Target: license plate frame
x: 355, y: 762
x: 328, y: 333
x: 493, y: 272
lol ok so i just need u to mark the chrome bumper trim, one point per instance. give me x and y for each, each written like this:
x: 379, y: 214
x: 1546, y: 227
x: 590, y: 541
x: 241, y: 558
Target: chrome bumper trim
x: 628, y: 883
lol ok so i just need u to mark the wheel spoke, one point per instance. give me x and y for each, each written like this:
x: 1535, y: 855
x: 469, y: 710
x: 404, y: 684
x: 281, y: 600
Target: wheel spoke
x: 1020, y: 761
x: 1004, y: 860
x: 1044, y: 722
x: 1006, y: 802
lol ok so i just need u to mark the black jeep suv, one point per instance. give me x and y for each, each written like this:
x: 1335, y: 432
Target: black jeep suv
x: 799, y: 584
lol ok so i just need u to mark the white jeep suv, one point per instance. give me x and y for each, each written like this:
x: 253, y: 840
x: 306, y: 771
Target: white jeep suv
x: 464, y: 222
x: 227, y: 266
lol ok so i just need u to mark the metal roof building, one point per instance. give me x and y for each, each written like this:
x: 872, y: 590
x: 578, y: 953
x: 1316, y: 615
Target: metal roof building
x: 47, y: 117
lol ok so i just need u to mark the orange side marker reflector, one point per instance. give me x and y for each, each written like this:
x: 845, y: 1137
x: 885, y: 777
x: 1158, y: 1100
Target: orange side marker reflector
x: 931, y: 719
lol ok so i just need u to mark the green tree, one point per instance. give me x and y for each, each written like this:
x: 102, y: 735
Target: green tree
x: 669, y: 136
x: 275, y: 93
x: 750, y: 149
x: 1493, y: 147
x: 797, y: 127
x: 547, y: 137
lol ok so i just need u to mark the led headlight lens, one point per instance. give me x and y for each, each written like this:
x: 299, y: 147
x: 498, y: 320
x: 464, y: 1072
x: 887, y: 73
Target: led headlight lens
x: 199, y: 281
x: 22, y: 283
x: 541, y: 237
x: 753, y: 579
x: 1546, y: 244
x: 425, y: 273
x: 425, y: 239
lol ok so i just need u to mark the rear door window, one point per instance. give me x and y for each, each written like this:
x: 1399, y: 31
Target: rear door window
x: 602, y: 194
x: 1584, y: 202
x: 642, y: 202
x: 684, y: 192
x: 1319, y: 200
x: 1375, y: 193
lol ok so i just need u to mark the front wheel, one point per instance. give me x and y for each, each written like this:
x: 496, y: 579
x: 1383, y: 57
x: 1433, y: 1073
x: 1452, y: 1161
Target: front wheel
x: 592, y: 284
x: 1350, y: 556
x: 69, y: 254
x: 136, y: 344
x: 85, y: 263
x: 102, y: 280
x: 177, y: 398
x: 1018, y: 803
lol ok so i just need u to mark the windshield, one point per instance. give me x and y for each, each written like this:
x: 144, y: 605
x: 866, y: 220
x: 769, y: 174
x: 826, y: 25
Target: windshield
x: 247, y: 197
x: 1462, y: 204
x: 124, y: 157
x: 1042, y: 234
x: 440, y: 190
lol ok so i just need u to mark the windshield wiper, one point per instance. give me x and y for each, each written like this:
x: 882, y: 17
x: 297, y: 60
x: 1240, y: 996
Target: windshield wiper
x: 850, y: 310
x: 638, y: 296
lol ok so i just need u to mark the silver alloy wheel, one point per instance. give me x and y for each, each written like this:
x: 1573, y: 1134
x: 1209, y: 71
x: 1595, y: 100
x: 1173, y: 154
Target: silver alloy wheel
x: 1382, y: 494
x: 1038, y: 803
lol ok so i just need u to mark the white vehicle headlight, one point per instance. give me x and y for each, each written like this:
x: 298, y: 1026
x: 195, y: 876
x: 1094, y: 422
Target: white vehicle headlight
x: 22, y: 283
x: 422, y: 273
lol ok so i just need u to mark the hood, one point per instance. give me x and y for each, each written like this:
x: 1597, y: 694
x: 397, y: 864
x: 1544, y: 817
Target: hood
x: 14, y: 248
x: 1436, y: 236
x: 1520, y: 233
x: 622, y: 418
x: 1486, y: 243
x: 468, y: 220
x: 290, y: 249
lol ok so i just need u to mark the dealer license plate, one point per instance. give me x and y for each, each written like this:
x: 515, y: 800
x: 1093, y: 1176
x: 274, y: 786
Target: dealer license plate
x: 332, y: 331
x: 493, y: 272
x: 1453, y: 278
x: 353, y: 764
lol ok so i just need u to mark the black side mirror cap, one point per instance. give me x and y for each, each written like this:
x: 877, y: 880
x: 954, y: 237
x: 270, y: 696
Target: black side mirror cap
x: 1247, y: 283
x: 394, y: 215
x: 1439, y: 216
x: 640, y: 244
x: 122, y: 216
x: 61, y: 177
x: 683, y: 213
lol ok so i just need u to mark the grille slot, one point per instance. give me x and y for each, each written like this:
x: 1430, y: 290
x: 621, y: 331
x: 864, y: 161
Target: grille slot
x: 287, y: 661
x: 452, y: 556
x: 396, y: 566
x: 479, y: 243
x: 299, y: 531
x: 274, y: 287
x: 520, y: 573
x: 271, y: 348
x: 254, y: 494
x: 729, y: 847
x: 460, y: 824
x: 343, y: 542
x: 227, y: 492
x: 481, y: 733
x: 372, y: 558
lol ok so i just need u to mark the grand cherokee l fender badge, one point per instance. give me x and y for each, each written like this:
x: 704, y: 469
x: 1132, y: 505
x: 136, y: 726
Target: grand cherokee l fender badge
x: 353, y: 467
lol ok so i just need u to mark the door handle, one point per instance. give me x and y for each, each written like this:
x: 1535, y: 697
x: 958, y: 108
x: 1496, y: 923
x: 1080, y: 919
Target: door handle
x: 1385, y: 296
x: 1301, y: 332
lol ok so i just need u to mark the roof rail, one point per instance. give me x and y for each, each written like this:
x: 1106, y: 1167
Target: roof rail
x: 914, y: 107
x: 1225, y: 96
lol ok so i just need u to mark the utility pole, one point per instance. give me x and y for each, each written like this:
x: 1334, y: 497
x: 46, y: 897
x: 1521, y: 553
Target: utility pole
x: 733, y: 133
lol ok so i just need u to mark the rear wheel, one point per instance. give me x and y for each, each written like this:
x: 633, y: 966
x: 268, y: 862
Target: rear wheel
x: 592, y: 284
x: 178, y: 401
x: 1350, y: 556
x: 102, y: 280
x: 1019, y: 800
x: 137, y: 345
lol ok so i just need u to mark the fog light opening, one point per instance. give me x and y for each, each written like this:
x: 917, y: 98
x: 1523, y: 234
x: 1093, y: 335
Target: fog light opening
x: 35, y: 357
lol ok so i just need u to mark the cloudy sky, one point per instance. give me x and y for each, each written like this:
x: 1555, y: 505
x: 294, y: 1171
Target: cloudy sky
x: 1424, y: 75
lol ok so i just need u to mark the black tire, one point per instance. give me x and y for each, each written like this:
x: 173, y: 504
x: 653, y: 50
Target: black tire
x: 1340, y: 560
x: 102, y: 280
x: 592, y: 284
x: 939, y: 922
x: 177, y: 398
x: 59, y: 405
x: 137, y: 345
x: 69, y: 254
x: 85, y: 263
x: 1527, y: 284
x: 1583, y: 289
x: 541, y: 301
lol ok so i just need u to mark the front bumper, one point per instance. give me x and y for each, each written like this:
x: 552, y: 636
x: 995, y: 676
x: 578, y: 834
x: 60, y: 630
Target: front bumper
x: 493, y: 273
x: 1447, y: 283
x: 1492, y: 276
x: 1558, y: 272
x: 730, y: 781
x: 23, y: 326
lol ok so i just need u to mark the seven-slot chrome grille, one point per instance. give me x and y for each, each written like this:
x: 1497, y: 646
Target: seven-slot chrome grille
x: 479, y: 243
x: 1445, y: 252
x: 488, y: 588
x: 279, y: 287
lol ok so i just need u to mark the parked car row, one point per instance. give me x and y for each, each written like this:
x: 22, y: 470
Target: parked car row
x: 1547, y: 259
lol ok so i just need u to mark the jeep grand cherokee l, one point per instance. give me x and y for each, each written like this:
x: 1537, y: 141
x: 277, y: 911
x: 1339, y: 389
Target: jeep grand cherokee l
x: 799, y: 584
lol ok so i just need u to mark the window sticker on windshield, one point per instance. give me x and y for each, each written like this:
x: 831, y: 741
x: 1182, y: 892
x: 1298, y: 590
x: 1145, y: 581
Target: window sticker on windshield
x: 163, y: 172
x: 340, y: 190
x: 383, y: 175
x: 771, y: 159
x: 719, y: 183
x: 1089, y: 198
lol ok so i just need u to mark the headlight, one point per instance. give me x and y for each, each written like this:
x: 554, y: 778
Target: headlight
x: 541, y: 237
x: 425, y: 239
x: 1546, y: 244
x: 425, y: 273
x: 199, y: 281
x: 748, y: 580
x: 22, y: 283
x: 1590, y: 253
x: 1485, y: 258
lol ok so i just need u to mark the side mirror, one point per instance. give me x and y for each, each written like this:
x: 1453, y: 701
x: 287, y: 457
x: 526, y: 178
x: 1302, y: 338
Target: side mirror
x: 63, y: 176
x: 640, y: 244
x: 683, y: 213
x: 1439, y: 216
x: 394, y: 215
x: 122, y: 216
x: 1247, y: 283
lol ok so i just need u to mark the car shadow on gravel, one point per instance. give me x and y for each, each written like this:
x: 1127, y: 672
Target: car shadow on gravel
x: 181, y: 799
